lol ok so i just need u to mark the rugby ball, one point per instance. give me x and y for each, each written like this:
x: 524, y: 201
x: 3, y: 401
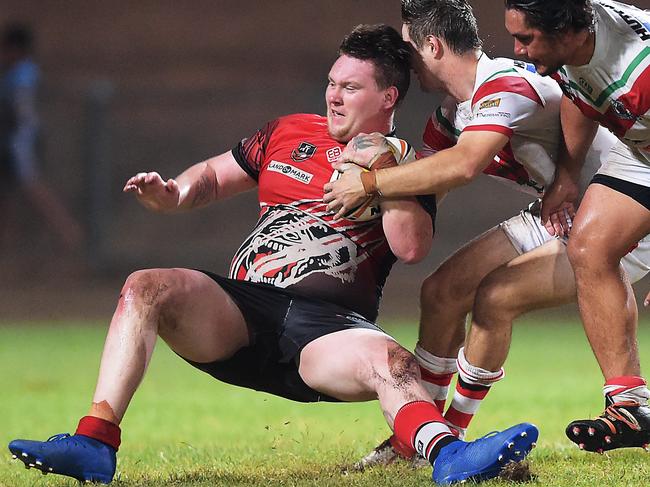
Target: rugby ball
x: 370, y: 209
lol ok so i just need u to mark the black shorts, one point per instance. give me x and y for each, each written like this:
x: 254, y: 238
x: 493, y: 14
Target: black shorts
x: 280, y: 323
x: 639, y: 193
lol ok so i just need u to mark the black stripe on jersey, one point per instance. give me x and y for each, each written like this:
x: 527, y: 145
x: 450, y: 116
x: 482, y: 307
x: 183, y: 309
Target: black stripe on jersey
x: 237, y: 153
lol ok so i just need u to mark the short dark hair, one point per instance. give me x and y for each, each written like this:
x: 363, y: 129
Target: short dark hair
x: 384, y: 47
x: 450, y: 20
x: 16, y: 35
x: 555, y: 16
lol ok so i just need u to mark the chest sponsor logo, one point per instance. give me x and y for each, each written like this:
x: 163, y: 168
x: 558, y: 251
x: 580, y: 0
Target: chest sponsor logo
x: 333, y: 154
x: 293, y: 172
x: 303, y: 152
x: 493, y: 103
x: 494, y: 115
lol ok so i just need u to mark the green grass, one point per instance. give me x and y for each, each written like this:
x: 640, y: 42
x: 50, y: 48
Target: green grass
x: 184, y: 428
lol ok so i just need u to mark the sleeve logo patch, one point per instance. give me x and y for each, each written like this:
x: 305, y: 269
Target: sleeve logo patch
x: 494, y: 103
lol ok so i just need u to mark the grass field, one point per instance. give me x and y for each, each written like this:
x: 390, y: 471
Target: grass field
x: 184, y: 428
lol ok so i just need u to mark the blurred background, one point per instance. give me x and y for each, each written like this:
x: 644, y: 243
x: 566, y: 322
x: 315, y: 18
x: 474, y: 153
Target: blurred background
x: 158, y: 85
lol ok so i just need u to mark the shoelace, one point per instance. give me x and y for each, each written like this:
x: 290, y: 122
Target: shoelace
x: 59, y: 437
x: 612, y: 412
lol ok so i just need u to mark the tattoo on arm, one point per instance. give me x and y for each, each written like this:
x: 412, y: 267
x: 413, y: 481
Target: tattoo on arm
x: 204, y: 192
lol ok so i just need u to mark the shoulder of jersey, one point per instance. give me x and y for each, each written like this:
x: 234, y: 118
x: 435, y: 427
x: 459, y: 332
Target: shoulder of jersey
x: 401, y: 149
x: 303, y: 118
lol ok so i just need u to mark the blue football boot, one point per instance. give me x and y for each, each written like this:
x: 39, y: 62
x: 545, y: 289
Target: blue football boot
x: 77, y: 456
x: 484, y: 458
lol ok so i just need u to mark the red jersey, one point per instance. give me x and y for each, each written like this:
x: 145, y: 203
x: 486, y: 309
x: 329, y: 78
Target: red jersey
x: 296, y: 244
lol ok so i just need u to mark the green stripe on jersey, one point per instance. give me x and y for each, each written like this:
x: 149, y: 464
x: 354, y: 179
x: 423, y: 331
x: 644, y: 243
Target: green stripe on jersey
x: 626, y: 75
x: 446, y: 123
x: 602, y: 98
x: 510, y: 70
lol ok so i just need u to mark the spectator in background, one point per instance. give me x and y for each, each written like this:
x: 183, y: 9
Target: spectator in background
x: 20, y: 134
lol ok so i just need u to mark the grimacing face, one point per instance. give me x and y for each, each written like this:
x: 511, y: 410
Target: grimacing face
x: 355, y: 103
x: 547, y: 52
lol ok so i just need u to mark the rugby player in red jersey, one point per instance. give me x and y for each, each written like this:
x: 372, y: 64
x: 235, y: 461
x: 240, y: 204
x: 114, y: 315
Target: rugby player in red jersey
x: 295, y: 317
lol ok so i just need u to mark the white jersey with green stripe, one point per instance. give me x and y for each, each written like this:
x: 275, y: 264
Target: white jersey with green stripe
x: 614, y: 87
x: 511, y: 99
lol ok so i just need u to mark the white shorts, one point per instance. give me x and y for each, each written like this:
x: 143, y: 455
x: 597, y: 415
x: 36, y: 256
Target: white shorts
x: 526, y: 232
x: 628, y: 164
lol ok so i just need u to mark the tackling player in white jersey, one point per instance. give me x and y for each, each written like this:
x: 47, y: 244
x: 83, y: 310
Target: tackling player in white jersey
x: 499, y: 118
x: 599, y: 53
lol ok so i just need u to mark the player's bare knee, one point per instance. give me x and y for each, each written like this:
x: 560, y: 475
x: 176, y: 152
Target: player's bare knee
x: 588, y: 254
x: 577, y: 250
x: 148, y: 292
x: 402, y: 365
x: 441, y: 291
x: 496, y: 298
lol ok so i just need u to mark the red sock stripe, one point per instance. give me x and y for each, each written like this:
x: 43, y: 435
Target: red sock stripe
x: 457, y: 418
x: 434, y: 442
x: 100, y: 430
x: 440, y: 404
x: 626, y: 381
x: 411, y: 417
x: 404, y: 450
x: 437, y: 379
x: 472, y: 394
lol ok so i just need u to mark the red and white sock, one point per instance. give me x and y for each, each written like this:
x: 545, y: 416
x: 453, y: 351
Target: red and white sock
x: 473, y: 385
x: 421, y: 425
x: 436, y: 373
x: 100, y: 430
x: 627, y: 388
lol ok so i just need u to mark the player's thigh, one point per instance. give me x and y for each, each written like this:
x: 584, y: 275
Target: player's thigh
x: 458, y: 276
x: 197, y: 318
x: 347, y: 364
x: 608, y: 223
x: 540, y: 278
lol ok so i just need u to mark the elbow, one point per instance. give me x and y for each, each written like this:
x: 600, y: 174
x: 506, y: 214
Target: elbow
x: 414, y: 253
x: 413, y: 257
x: 468, y: 173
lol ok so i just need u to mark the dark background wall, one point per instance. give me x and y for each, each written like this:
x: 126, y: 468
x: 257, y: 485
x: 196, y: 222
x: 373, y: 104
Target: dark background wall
x: 183, y: 82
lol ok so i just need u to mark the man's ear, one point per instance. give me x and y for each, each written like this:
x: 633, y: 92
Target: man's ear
x: 435, y: 45
x: 390, y: 97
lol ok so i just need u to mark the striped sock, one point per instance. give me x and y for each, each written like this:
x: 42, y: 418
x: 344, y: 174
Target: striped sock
x: 421, y: 425
x: 627, y: 388
x: 473, y: 385
x: 436, y: 373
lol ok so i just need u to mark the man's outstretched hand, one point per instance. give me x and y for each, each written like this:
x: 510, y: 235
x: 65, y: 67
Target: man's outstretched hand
x: 153, y: 192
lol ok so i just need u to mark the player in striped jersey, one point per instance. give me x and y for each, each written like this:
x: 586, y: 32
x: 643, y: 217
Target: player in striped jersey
x: 501, y: 118
x: 599, y: 53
